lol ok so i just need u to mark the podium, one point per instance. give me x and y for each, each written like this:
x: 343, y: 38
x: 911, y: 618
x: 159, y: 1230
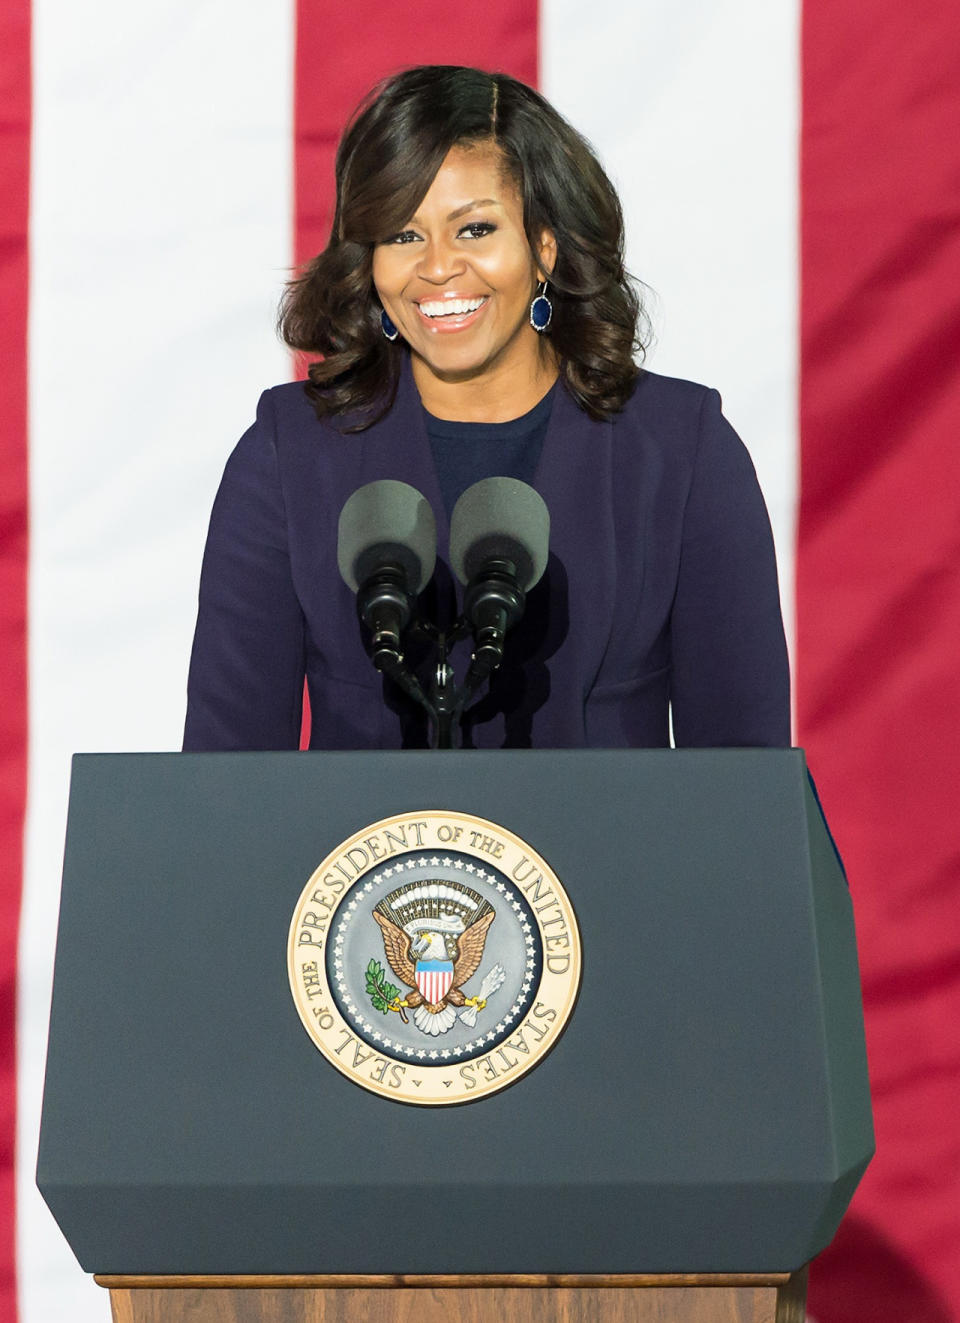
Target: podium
x: 688, y: 1143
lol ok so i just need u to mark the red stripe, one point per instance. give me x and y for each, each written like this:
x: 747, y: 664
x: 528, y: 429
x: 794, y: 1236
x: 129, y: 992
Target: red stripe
x: 878, y: 604
x: 14, y: 194
x: 343, y: 50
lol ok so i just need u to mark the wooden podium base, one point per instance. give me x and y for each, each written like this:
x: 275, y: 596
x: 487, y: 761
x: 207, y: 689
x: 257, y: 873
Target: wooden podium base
x: 679, y: 1298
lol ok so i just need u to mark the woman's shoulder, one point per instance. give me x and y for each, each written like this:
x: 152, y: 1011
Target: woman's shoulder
x: 669, y: 400
x: 289, y: 411
x: 287, y: 407
x: 677, y: 428
x: 672, y: 418
x: 287, y: 431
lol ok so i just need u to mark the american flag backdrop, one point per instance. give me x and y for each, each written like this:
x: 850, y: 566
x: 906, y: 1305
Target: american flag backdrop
x: 790, y: 170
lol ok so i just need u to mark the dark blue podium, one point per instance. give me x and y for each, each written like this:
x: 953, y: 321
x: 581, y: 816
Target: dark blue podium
x: 706, y: 1110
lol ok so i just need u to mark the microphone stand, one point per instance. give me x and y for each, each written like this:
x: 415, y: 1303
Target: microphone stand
x: 493, y: 602
x: 446, y: 701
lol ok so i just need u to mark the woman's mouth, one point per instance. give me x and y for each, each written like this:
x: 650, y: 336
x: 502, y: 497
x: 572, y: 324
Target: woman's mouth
x: 451, y: 314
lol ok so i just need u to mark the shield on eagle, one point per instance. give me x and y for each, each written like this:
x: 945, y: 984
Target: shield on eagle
x: 434, y: 979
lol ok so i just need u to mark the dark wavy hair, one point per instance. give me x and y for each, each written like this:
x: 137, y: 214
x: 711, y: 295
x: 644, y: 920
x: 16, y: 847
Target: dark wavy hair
x: 386, y: 161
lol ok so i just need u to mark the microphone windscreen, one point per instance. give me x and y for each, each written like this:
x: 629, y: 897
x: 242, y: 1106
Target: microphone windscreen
x: 503, y: 519
x: 386, y: 523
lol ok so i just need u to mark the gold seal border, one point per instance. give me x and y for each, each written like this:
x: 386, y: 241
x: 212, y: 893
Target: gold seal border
x: 392, y: 1077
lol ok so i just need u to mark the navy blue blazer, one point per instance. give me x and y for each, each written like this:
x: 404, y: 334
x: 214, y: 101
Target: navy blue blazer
x: 660, y: 592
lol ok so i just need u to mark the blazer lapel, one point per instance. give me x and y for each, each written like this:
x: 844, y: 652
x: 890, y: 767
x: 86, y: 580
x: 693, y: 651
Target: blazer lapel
x: 398, y: 447
x: 575, y: 478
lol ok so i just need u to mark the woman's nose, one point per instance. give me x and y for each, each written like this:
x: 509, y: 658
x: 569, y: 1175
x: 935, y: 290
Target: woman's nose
x: 439, y: 261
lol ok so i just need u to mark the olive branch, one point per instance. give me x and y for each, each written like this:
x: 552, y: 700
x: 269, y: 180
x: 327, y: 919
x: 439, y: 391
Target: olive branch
x: 382, y: 993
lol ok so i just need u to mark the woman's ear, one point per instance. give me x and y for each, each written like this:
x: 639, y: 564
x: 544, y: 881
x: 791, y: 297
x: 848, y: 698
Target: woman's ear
x: 546, y: 254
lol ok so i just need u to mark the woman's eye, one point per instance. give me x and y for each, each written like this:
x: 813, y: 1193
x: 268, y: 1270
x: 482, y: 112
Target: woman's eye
x: 405, y: 236
x: 478, y: 229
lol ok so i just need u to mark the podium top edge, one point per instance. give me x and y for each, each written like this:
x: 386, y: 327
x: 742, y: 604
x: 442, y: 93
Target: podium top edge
x: 793, y: 753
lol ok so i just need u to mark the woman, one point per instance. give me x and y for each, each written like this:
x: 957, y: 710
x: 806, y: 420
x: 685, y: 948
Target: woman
x: 474, y: 318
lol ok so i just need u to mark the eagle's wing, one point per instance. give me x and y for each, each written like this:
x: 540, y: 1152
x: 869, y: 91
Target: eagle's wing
x: 396, y: 943
x: 470, y: 945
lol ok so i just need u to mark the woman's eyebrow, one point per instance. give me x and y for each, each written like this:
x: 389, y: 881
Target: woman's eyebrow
x: 469, y: 206
x: 462, y: 211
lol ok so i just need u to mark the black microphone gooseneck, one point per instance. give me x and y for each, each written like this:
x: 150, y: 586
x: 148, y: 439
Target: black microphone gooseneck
x: 385, y: 606
x: 492, y: 603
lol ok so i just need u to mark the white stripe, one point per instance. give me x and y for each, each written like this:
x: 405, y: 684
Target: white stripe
x: 161, y: 224
x: 694, y: 108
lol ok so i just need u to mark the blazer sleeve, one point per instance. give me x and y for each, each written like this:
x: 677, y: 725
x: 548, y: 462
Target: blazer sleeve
x: 245, y: 687
x: 730, y: 683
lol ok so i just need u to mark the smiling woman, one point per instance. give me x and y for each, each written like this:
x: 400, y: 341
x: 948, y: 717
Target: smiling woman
x: 471, y: 316
x: 448, y: 177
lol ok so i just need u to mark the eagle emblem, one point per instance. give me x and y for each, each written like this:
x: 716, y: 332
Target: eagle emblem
x: 434, y: 935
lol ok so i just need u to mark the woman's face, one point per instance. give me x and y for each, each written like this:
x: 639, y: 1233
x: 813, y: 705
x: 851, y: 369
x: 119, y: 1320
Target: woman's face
x: 458, y: 279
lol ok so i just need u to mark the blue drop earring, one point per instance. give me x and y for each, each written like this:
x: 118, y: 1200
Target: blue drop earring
x: 541, y: 309
x: 387, y: 326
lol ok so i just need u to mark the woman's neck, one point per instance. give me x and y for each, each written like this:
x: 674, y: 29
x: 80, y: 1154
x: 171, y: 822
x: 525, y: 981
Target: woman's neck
x: 491, y: 397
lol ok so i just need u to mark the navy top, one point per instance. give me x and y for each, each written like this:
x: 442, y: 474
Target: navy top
x: 660, y: 590
x: 464, y: 453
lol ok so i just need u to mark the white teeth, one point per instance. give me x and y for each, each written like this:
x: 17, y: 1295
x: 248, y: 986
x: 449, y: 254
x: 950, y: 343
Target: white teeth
x: 448, y: 307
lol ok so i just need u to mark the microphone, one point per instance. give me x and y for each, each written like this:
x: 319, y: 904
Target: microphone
x: 386, y: 549
x: 499, y: 544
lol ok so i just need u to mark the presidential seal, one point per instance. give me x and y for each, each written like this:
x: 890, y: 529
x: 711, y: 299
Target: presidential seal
x: 434, y: 958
